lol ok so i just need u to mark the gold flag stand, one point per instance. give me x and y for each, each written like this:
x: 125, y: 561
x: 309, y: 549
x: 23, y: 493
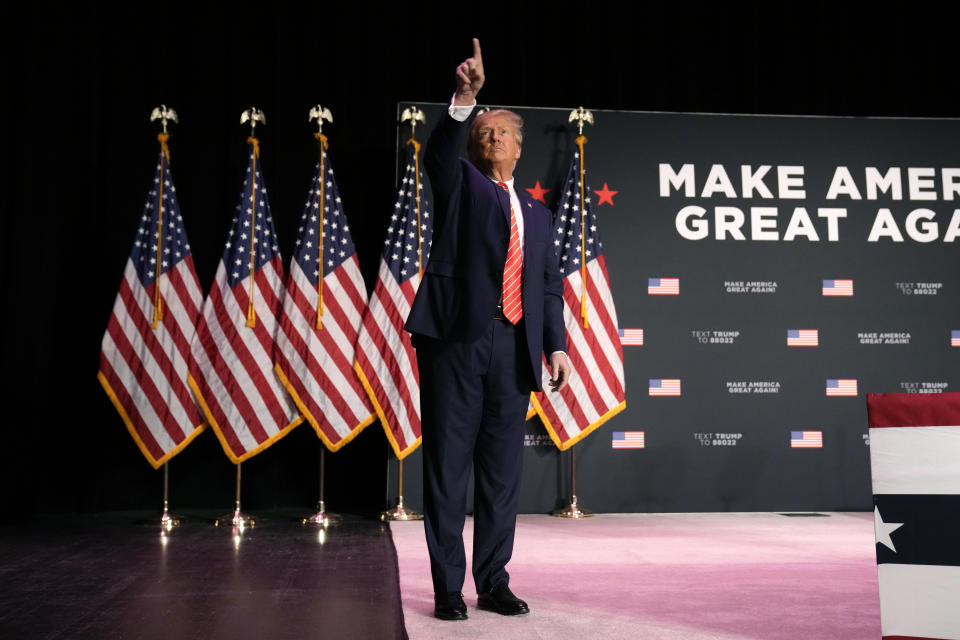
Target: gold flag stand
x: 322, y: 517
x: 400, y: 512
x: 573, y: 510
x: 238, y: 519
x: 167, y: 521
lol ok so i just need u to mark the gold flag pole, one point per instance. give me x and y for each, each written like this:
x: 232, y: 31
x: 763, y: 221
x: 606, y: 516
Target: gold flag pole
x: 320, y: 113
x: 322, y: 517
x: 581, y: 116
x: 413, y: 115
x: 167, y: 521
x: 253, y: 115
x: 400, y: 512
x: 164, y: 114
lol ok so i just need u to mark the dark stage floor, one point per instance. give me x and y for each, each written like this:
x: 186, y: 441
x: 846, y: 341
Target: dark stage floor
x: 112, y: 576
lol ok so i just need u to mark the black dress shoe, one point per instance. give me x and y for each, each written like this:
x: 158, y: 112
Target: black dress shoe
x: 502, y: 600
x: 449, y: 606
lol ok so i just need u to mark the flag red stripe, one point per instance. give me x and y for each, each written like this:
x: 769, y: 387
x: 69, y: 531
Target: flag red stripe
x: 343, y: 368
x: 234, y: 397
x: 350, y: 293
x: 142, y: 326
x: 257, y: 373
x: 139, y: 424
x: 308, y: 315
x: 396, y: 318
x: 380, y: 343
x: 577, y: 361
x: 237, y: 396
x: 332, y: 312
x: 186, y: 310
x: 165, y: 366
x: 147, y: 387
x: 550, y: 404
x: 608, y: 327
x: 607, y: 319
x: 913, y: 409
x: 570, y: 397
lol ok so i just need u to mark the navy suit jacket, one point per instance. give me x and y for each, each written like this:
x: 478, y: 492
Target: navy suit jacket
x: 463, y: 280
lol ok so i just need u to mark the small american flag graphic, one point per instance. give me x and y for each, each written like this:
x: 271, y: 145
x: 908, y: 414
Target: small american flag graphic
x: 628, y: 440
x: 664, y: 387
x: 842, y: 387
x: 955, y: 338
x: 806, y: 439
x: 631, y: 337
x: 663, y: 286
x: 838, y: 287
x: 803, y: 337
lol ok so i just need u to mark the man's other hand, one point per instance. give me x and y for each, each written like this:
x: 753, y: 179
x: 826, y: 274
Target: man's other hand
x: 469, y: 78
x: 559, y: 371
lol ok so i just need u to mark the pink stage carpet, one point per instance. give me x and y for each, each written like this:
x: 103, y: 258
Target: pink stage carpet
x: 726, y: 576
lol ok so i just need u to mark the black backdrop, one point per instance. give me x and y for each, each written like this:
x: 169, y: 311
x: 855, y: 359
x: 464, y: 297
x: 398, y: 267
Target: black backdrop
x: 78, y: 151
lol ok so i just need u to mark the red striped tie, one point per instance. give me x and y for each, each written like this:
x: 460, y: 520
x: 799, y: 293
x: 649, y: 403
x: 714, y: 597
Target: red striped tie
x: 512, y: 307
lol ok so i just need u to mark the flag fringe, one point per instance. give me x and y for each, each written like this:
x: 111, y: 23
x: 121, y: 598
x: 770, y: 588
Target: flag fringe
x: 156, y: 463
x: 563, y: 446
x: 223, y: 441
x: 313, y: 421
x: 401, y: 454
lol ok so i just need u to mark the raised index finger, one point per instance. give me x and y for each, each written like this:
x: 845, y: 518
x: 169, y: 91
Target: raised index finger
x: 476, y: 50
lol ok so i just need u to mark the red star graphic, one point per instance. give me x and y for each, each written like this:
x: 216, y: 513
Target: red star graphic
x: 538, y: 192
x: 606, y: 195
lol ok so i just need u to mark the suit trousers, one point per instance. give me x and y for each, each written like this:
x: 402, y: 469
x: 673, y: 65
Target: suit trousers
x: 473, y: 402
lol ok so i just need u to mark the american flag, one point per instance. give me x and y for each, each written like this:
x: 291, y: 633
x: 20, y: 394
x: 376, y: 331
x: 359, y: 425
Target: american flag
x: 664, y: 387
x: 144, y: 369
x: 386, y: 361
x: 803, y: 337
x: 596, y: 389
x: 232, y: 369
x: 315, y: 346
x: 631, y: 337
x: 628, y: 440
x: 842, y: 387
x: 955, y: 338
x: 838, y: 287
x: 806, y: 439
x: 663, y: 286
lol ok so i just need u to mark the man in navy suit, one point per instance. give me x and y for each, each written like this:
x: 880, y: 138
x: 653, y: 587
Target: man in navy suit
x: 489, y: 306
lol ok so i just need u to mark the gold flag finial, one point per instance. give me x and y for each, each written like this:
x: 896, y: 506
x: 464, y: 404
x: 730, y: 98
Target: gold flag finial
x: 581, y: 115
x: 253, y: 116
x: 164, y: 114
x: 414, y: 115
x: 320, y: 113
